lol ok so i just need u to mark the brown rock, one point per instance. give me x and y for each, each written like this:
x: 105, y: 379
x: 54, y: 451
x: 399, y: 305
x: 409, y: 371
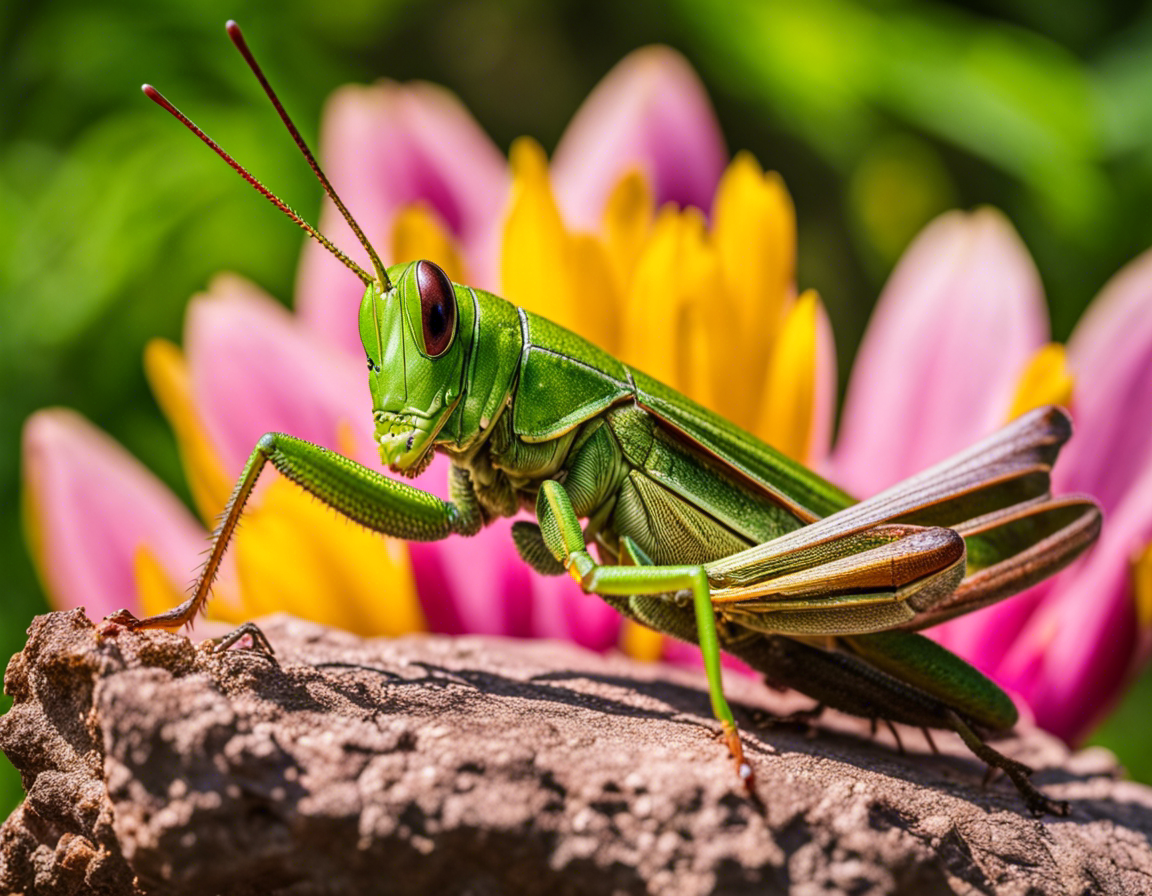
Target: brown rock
x: 484, y: 766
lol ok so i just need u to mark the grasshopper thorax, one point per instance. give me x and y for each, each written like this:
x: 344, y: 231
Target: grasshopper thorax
x: 412, y: 335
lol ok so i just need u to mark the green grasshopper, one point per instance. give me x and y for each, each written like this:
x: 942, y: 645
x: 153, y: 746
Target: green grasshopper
x: 702, y: 532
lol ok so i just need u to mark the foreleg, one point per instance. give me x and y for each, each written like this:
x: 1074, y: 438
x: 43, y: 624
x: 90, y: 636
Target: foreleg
x: 376, y: 501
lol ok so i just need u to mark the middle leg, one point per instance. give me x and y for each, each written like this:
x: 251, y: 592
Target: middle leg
x: 565, y: 538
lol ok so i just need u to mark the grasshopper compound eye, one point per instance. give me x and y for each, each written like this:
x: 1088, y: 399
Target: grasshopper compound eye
x: 437, y: 308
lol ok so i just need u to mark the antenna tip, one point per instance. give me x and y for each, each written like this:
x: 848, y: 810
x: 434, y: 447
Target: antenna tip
x: 231, y: 27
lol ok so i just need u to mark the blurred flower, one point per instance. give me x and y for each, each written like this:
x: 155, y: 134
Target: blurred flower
x: 392, y: 147
x: 73, y: 475
x: 681, y: 300
x: 955, y: 347
x: 955, y: 328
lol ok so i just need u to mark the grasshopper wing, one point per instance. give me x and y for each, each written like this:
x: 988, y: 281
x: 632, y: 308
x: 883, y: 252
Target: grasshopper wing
x: 1013, y: 549
x: 897, y: 559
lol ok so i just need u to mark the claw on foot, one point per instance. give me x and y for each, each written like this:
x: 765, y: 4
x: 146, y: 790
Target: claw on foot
x: 743, y: 768
x: 259, y: 641
x: 122, y: 617
x: 1018, y: 772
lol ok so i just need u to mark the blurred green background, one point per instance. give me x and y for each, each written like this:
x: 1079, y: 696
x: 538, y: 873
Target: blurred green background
x: 879, y: 115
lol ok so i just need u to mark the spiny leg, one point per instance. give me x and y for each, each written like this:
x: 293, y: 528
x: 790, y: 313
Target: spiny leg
x: 565, y: 538
x: 896, y: 737
x: 364, y: 496
x: 1017, y: 771
x: 852, y: 685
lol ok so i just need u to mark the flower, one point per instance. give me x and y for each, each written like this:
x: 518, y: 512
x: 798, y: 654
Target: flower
x: 954, y: 329
x: 957, y: 345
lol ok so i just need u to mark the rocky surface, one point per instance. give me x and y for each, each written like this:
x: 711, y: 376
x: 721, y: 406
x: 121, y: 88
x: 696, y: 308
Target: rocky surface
x: 485, y: 766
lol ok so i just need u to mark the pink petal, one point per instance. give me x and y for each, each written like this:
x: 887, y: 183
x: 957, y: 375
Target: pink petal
x: 1080, y: 648
x: 563, y: 610
x: 481, y: 585
x: 958, y: 320
x: 93, y: 506
x: 384, y: 147
x: 473, y: 585
x: 255, y: 369
x: 650, y: 112
x: 984, y: 637
x: 1110, y: 354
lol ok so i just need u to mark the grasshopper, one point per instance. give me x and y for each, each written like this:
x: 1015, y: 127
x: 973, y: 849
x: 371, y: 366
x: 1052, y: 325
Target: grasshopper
x: 702, y: 532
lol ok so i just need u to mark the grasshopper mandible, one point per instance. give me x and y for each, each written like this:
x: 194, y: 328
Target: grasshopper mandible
x: 702, y: 531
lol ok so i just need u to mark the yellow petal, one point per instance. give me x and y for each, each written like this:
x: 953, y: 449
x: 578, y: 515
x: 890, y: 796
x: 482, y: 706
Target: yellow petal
x: 598, y: 296
x: 754, y: 229
x: 1142, y: 588
x: 346, y: 441
x: 676, y: 325
x: 640, y: 642
x: 419, y: 233
x: 705, y: 328
x: 1045, y: 381
x: 788, y: 408
x: 296, y: 555
x: 536, y: 255
x: 155, y: 591
x: 652, y: 308
x: 699, y: 355
x: 167, y: 374
x: 627, y: 224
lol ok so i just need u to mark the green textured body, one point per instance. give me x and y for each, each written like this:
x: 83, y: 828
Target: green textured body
x: 642, y: 462
x: 618, y: 439
x: 520, y: 428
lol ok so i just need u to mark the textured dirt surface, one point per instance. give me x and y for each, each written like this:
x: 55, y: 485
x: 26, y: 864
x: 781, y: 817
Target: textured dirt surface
x: 485, y: 766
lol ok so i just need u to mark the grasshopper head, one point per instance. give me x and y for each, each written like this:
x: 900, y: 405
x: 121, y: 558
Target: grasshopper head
x: 412, y: 336
x: 410, y: 317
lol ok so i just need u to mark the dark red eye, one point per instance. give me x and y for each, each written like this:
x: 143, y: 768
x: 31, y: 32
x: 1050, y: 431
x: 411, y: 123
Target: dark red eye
x: 437, y: 307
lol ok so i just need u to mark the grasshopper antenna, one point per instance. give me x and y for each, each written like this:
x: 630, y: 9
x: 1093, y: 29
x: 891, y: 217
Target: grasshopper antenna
x: 160, y: 100
x: 238, y: 39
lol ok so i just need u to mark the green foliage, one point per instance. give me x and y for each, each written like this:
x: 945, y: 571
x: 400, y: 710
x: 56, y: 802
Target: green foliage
x: 1012, y: 117
x: 878, y: 114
